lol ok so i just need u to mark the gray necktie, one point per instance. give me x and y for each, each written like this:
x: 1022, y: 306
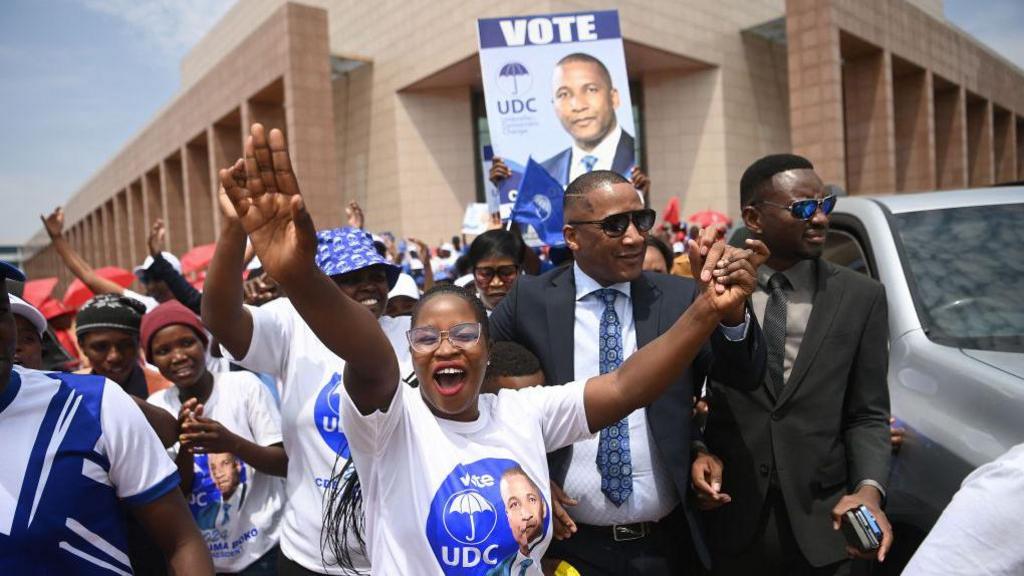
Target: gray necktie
x: 775, y: 331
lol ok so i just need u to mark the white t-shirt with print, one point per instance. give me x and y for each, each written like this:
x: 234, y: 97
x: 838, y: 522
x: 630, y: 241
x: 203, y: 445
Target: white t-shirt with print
x: 284, y: 346
x: 432, y: 488
x: 242, y: 526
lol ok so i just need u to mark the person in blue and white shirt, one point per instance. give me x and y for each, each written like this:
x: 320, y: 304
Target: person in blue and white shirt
x: 77, y: 454
x: 274, y: 339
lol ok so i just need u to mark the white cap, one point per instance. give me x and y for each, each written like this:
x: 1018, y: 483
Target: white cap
x: 678, y: 247
x: 405, y: 286
x: 463, y: 281
x: 171, y: 259
x: 415, y: 264
x: 28, y: 312
x: 448, y: 246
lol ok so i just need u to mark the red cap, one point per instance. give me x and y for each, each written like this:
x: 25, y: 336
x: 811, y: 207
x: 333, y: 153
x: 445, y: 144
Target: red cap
x: 168, y: 314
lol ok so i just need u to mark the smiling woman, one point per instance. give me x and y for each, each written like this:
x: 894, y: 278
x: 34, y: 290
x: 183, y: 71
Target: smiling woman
x: 230, y: 442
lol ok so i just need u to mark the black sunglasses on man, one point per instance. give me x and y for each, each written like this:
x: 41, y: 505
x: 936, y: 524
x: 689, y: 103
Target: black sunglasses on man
x: 616, y: 225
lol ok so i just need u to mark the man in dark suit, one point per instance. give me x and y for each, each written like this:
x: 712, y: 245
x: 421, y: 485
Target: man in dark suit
x: 812, y: 441
x: 635, y: 518
x: 585, y: 101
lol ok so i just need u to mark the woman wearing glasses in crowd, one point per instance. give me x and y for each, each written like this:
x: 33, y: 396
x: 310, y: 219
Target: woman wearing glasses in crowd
x: 436, y: 463
x: 495, y: 259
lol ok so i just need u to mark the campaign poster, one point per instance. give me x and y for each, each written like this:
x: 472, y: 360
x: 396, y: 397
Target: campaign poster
x: 556, y: 90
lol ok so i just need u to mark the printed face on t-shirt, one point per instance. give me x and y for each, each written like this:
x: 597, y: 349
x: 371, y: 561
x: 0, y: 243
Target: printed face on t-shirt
x: 226, y: 471
x: 524, y: 506
x: 449, y: 376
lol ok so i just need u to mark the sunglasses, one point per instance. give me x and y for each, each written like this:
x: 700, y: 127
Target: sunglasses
x: 427, y: 338
x: 507, y: 273
x: 616, y: 225
x: 805, y: 209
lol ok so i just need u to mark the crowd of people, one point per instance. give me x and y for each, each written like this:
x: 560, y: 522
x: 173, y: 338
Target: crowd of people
x: 335, y: 401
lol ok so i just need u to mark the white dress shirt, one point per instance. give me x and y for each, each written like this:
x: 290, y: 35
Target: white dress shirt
x: 654, y: 494
x: 604, y: 152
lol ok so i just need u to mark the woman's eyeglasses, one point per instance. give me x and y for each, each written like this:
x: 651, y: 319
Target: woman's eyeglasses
x: 805, y: 209
x: 506, y: 273
x: 616, y: 225
x: 426, y: 339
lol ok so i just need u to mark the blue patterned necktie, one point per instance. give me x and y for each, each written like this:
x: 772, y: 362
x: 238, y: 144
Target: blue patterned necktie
x: 524, y: 565
x: 613, y: 460
x: 588, y: 162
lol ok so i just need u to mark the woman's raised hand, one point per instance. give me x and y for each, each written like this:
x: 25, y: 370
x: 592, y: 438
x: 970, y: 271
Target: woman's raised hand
x: 265, y: 194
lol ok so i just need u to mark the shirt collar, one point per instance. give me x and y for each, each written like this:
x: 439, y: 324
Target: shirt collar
x: 802, y: 275
x: 585, y: 285
x: 603, y: 151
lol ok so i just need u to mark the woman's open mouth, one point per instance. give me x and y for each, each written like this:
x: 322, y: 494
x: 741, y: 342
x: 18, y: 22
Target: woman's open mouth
x: 450, y: 380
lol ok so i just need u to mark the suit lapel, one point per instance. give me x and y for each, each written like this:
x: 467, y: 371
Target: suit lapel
x: 561, y: 323
x: 623, y: 162
x: 826, y: 304
x: 644, y: 296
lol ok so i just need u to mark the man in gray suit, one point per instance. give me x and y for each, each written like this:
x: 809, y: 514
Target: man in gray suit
x: 812, y: 441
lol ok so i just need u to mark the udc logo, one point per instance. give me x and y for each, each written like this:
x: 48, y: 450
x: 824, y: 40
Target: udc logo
x: 467, y: 527
x: 327, y: 415
x: 469, y: 505
x: 542, y: 205
x: 514, y: 79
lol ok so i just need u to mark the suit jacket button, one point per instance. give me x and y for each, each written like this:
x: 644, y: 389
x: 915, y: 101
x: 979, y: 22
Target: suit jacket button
x: 764, y: 469
x: 776, y: 416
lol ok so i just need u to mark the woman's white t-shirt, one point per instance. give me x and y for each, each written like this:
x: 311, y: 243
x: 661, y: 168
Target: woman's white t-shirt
x: 437, y: 494
x: 311, y: 389
x: 237, y: 508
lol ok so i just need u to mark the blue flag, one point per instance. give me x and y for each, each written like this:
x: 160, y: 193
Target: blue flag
x: 539, y: 204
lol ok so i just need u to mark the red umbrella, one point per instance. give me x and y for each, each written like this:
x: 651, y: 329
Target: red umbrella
x: 77, y: 292
x: 707, y: 218
x: 52, y: 308
x: 197, y: 258
x: 37, y: 291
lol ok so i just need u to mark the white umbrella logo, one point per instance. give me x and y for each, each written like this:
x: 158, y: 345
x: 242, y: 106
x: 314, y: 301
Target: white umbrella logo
x: 471, y: 503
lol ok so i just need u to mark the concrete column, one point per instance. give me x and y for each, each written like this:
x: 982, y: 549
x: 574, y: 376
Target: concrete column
x: 138, y: 230
x: 88, y: 240
x: 914, y: 131
x: 174, y: 205
x: 950, y: 138
x: 686, y: 141
x: 870, y: 133
x: 122, y: 239
x: 980, y: 159
x: 152, y: 198
x: 196, y: 158
x: 106, y: 235
x: 309, y: 119
x: 1004, y: 141
x: 815, y: 87
x: 186, y: 201
x: 225, y: 146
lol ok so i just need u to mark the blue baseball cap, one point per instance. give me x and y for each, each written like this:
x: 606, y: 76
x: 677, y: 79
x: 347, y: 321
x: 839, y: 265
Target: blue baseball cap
x: 9, y: 271
x: 343, y: 250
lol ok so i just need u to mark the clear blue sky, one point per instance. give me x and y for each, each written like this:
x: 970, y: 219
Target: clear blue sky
x: 80, y: 77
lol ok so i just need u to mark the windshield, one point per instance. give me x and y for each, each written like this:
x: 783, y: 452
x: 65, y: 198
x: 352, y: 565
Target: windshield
x: 967, y: 274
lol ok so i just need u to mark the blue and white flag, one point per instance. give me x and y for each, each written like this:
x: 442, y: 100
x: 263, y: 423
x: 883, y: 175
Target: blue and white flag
x: 539, y: 204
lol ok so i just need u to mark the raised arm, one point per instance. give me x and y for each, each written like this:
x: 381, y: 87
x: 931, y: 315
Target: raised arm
x: 162, y: 270
x: 647, y: 373
x: 266, y: 197
x: 54, y: 224
x: 222, y: 309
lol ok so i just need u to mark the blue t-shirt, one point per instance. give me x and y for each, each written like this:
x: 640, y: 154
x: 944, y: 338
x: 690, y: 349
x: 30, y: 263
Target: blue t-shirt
x: 76, y: 453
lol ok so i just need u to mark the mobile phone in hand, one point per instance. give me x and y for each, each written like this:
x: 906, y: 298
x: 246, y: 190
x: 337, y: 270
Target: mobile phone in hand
x: 861, y: 529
